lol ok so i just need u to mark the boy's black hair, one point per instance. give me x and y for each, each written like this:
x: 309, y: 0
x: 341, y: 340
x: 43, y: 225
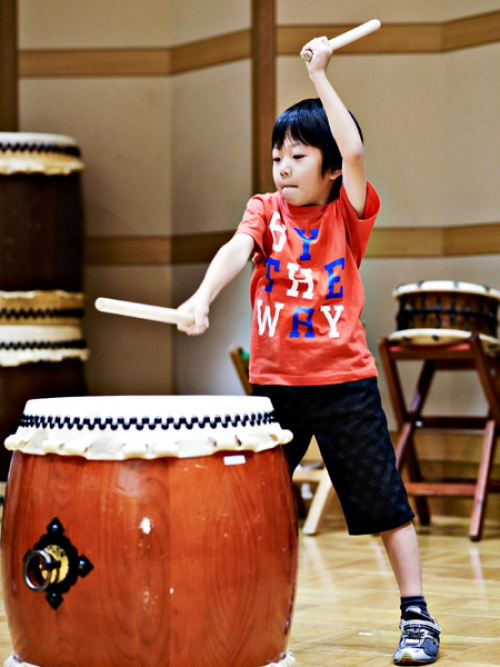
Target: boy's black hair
x: 307, y: 122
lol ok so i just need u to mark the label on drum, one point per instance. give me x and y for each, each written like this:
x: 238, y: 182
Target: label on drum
x: 234, y: 460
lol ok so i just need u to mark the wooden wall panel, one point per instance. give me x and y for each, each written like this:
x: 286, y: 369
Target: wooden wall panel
x: 69, y: 63
x: 406, y: 242
x: 392, y: 38
x: 263, y: 91
x: 385, y: 242
x: 396, y: 38
x: 209, y: 52
x: 471, y: 31
x: 9, y: 103
x: 111, y: 251
x: 471, y: 240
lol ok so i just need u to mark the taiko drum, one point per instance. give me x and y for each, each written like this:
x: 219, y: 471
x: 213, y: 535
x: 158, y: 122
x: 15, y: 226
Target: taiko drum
x: 149, y: 531
x: 41, y: 258
x: 445, y: 311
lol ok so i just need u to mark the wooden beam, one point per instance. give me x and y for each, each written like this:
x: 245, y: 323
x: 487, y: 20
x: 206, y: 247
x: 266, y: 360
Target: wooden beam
x: 162, y: 61
x: 471, y: 31
x: 395, y: 38
x: 398, y: 38
x: 9, y: 102
x: 263, y: 92
x: 69, y: 63
x: 112, y: 251
x: 405, y: 242
x: 467, y: 240
x: 385, y: 242
x: 227, y: 48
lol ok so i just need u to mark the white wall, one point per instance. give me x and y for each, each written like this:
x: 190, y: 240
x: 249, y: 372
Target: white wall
x: 70, y: 24
x: 470, y: 121
x: 432, y: 152
x: 173, y: 155
x: 391, y: 11
x: 123, y: 126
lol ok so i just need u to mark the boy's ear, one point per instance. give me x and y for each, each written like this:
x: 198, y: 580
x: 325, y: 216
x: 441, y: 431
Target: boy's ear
x: 335, y: 173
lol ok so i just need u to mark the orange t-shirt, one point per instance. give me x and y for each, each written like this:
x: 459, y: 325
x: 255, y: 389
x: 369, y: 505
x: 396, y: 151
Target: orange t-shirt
x: 306, y: 290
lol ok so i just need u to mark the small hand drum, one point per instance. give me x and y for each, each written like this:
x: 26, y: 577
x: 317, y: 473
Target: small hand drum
x: 445, y: 312
x: 149, y: 530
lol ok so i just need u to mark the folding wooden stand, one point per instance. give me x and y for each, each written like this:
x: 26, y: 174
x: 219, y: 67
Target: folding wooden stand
x: 325, y: 492
x: 468, y: 355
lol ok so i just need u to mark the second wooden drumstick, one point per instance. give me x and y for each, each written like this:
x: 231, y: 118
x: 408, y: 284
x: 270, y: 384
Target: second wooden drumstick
x: 142, y: 311
x: 348, y: 37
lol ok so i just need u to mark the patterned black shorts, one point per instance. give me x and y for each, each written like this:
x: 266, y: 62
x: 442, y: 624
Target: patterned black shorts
x: 351, y: 429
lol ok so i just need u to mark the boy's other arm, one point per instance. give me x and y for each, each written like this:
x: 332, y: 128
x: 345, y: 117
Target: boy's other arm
x: 342, y: 125
x: 227, y: 263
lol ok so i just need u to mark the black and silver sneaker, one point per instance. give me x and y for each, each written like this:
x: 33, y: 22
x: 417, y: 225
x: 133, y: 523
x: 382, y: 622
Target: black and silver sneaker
x: 419, y: 643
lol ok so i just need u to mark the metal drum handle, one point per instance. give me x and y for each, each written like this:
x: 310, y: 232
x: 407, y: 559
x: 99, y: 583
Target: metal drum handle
x: 54, y: 559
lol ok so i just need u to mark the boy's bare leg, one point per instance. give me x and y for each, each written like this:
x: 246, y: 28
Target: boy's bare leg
x: 402, y: 548
x: 419, y: 643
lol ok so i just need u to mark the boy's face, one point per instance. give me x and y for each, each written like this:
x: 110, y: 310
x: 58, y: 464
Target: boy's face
x: 297, y: 174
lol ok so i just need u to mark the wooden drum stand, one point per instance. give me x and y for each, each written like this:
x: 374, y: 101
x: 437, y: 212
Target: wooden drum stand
x: 469, y: 351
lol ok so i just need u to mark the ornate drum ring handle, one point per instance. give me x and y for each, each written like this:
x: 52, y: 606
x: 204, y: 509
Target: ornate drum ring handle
x: 50, y: 564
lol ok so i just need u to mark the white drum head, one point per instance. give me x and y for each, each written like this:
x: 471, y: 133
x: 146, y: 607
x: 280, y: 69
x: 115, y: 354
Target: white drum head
x: 37, y: 153
x: 123, y: 427
x: 446, y: 286
x: 441, y: 337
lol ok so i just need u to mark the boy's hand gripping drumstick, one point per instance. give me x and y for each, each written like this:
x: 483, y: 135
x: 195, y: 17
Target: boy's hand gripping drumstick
x: 348, y: 37
x: 143, y: 311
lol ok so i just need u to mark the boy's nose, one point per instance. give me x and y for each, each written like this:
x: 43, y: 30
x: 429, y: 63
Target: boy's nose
x: 285, y: 170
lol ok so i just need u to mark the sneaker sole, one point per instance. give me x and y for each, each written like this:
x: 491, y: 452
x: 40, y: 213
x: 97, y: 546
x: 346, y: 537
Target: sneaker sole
x: 408, y: 659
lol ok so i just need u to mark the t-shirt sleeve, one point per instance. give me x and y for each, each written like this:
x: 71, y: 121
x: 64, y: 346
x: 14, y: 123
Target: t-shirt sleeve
x: 254, y: 223
x: 359, y: 229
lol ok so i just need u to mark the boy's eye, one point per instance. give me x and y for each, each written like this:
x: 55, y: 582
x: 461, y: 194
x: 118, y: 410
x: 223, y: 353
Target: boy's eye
x: 276, y: 159
x: 297, y: 157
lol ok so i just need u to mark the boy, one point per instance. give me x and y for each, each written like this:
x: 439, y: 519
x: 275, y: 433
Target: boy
x: 308, y: 350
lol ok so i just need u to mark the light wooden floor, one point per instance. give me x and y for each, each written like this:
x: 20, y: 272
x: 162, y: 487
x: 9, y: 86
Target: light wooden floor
x: 347, y: 602
x: 347, y: 610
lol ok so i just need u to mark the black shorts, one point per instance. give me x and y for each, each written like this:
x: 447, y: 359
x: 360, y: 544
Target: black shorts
x: 351, y: 429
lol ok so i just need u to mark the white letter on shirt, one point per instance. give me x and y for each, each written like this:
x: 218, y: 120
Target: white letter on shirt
x: 332, y: 321
x: 307, y: 279
x: 276, y: 228
x: 266, y: 321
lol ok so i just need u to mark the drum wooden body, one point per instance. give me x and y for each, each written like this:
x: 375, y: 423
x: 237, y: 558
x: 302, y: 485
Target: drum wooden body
x: 41, y: 222
x: 41, y: 248
x: 443, y: 311
x: 187, y: 560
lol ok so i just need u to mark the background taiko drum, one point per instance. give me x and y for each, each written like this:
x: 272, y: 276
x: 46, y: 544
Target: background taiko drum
x: 443, y: 311
x: 41, y: 248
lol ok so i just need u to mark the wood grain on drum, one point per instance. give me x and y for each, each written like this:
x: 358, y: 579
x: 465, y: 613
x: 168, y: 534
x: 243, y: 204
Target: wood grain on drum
x: 20, y: 383
x: 194, y: 560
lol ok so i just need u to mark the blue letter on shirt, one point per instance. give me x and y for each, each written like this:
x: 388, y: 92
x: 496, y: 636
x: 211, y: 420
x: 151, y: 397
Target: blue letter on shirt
x: 306, y: 242
x: 307, y: 323
x: 332, y: 279
x: 275, y: 263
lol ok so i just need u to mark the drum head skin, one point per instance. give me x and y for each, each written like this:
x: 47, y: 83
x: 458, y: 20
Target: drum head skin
x: 446, y: 286
x: 123, y: 427
x: 41, y: 326
x: 440, y: 337
x: 35, y: 153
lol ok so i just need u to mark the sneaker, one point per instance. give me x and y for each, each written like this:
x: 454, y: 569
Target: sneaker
x: 419, y: 643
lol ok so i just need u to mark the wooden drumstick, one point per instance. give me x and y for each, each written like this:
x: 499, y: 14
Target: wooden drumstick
x: 143, y: 311
x: 348, y: 37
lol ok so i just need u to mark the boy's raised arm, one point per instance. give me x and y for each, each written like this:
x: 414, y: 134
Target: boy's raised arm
x: 343, y: 128
x: 226, y: 264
